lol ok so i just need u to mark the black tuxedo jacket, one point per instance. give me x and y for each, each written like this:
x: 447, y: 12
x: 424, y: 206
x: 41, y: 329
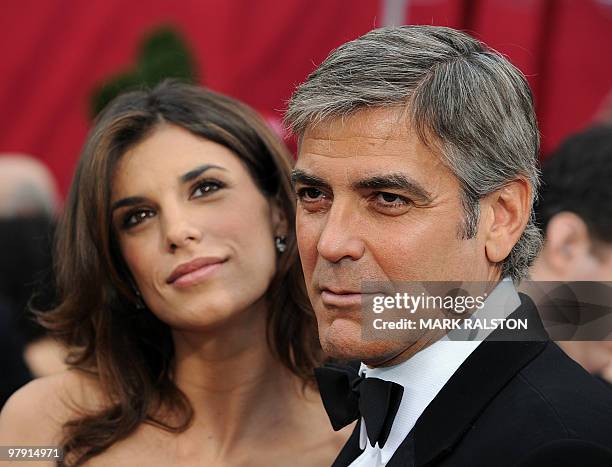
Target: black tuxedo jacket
x: 510, y: 403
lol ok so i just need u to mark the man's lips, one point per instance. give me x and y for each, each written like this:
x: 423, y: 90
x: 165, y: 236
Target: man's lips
x: 341, y: 297
x: 194, y: 271
x: 340, y: 300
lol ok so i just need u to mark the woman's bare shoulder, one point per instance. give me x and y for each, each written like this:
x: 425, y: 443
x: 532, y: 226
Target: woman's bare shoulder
x: 36, y: 413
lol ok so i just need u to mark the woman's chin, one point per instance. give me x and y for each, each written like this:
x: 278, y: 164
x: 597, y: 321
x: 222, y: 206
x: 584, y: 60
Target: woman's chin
x: 207, y: 316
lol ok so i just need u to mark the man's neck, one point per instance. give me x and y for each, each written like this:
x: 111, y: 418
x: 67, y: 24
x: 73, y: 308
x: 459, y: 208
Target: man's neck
x: 434, y: 336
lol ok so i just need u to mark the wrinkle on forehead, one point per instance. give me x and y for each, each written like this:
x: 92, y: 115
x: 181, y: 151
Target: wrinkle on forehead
x: 373, y: 132
x: 389, y: 122
x: 377, y: 132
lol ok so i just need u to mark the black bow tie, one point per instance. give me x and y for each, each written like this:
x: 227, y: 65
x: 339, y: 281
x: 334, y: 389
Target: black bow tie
x: 347, y: 395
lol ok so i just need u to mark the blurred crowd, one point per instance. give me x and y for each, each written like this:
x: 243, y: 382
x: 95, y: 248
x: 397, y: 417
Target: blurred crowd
x: 29, y: 204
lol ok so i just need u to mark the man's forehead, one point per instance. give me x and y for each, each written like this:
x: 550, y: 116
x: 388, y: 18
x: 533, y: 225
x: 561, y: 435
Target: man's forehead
x: 378, y: 125
x: 369, y: 141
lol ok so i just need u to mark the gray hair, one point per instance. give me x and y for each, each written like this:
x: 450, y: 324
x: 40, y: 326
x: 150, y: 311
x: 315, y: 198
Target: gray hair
x: 464, y: 99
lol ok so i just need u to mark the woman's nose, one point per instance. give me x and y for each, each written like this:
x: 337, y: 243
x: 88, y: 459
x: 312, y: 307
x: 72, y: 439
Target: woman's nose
x: 180, y: 231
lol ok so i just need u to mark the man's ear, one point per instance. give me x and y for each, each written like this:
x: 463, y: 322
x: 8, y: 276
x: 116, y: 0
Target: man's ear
x: 507, y: 213
x: 567, y: 239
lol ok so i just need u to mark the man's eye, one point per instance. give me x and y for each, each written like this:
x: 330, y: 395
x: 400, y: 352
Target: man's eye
x: 136, y: 217
x: 391, y: 198
x: 310, y: 194
x: 205, y: 188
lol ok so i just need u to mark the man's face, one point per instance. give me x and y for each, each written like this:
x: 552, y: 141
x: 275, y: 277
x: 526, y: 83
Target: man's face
x: 375, y: 204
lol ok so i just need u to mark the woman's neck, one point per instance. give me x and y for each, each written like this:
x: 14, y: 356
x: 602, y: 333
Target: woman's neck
x: 237, y: 388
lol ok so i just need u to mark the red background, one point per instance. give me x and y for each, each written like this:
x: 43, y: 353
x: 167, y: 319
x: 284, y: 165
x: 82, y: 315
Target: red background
x: 55, y: 51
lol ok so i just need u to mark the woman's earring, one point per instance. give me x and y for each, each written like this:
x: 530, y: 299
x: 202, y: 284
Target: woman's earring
x: 139, y: 301
x: 281, y: 243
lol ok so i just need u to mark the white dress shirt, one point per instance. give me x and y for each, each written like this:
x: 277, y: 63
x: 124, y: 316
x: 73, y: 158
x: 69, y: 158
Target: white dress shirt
x: 424, y: 375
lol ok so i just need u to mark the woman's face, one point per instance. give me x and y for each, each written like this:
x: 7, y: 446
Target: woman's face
x: 193, y: 228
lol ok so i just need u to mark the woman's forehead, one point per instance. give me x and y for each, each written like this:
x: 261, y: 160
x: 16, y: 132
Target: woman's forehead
x: 168, y: 155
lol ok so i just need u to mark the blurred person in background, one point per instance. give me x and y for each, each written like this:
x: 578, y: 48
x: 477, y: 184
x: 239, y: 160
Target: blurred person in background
x: 182, y: 298
x: 28, y: 205
x: 575, y: 214
x: 28, y: 188
x: 15, y: 372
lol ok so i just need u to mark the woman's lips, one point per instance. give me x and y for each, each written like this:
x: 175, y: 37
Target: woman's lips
x: 196, y: 276
x: 194, y: 272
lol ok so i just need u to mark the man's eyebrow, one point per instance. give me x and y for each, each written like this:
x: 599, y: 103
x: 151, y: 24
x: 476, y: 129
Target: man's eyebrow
x: 300, y: 176
x: 195, y: 173
x: 396, y: 181
x: 130, y: 201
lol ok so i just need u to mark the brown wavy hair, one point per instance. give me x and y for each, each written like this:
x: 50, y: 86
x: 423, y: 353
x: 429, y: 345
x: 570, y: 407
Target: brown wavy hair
x: 128, y: 349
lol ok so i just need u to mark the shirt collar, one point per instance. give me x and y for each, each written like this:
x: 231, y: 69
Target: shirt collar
x: 425, y: 373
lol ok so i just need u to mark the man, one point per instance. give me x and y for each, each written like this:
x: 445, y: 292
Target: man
x: 575, y: 213
x: 417, y: 162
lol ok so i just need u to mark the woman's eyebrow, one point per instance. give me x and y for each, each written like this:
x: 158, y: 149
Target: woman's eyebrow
x: 187, y: 177
x: 195, y: 173
x: 130, y: 201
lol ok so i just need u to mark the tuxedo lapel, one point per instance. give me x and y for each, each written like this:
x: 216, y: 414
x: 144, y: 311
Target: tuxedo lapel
x: 484, y: 373
x: 404, y: 454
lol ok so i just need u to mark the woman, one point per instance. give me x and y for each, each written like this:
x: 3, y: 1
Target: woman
x: 182, y: 297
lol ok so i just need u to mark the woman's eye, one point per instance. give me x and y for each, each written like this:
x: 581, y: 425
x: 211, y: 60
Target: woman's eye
x: 205, y: 188
x: 133, y: 218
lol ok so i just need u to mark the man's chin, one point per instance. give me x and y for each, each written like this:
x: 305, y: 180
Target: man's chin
x: 342, y: 340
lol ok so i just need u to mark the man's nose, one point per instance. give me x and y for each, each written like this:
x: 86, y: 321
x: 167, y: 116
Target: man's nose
x: 340, y: 236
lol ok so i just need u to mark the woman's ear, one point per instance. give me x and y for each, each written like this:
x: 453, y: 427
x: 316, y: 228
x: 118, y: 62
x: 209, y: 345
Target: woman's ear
x: 507, y: 213
x: 280, y: 226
